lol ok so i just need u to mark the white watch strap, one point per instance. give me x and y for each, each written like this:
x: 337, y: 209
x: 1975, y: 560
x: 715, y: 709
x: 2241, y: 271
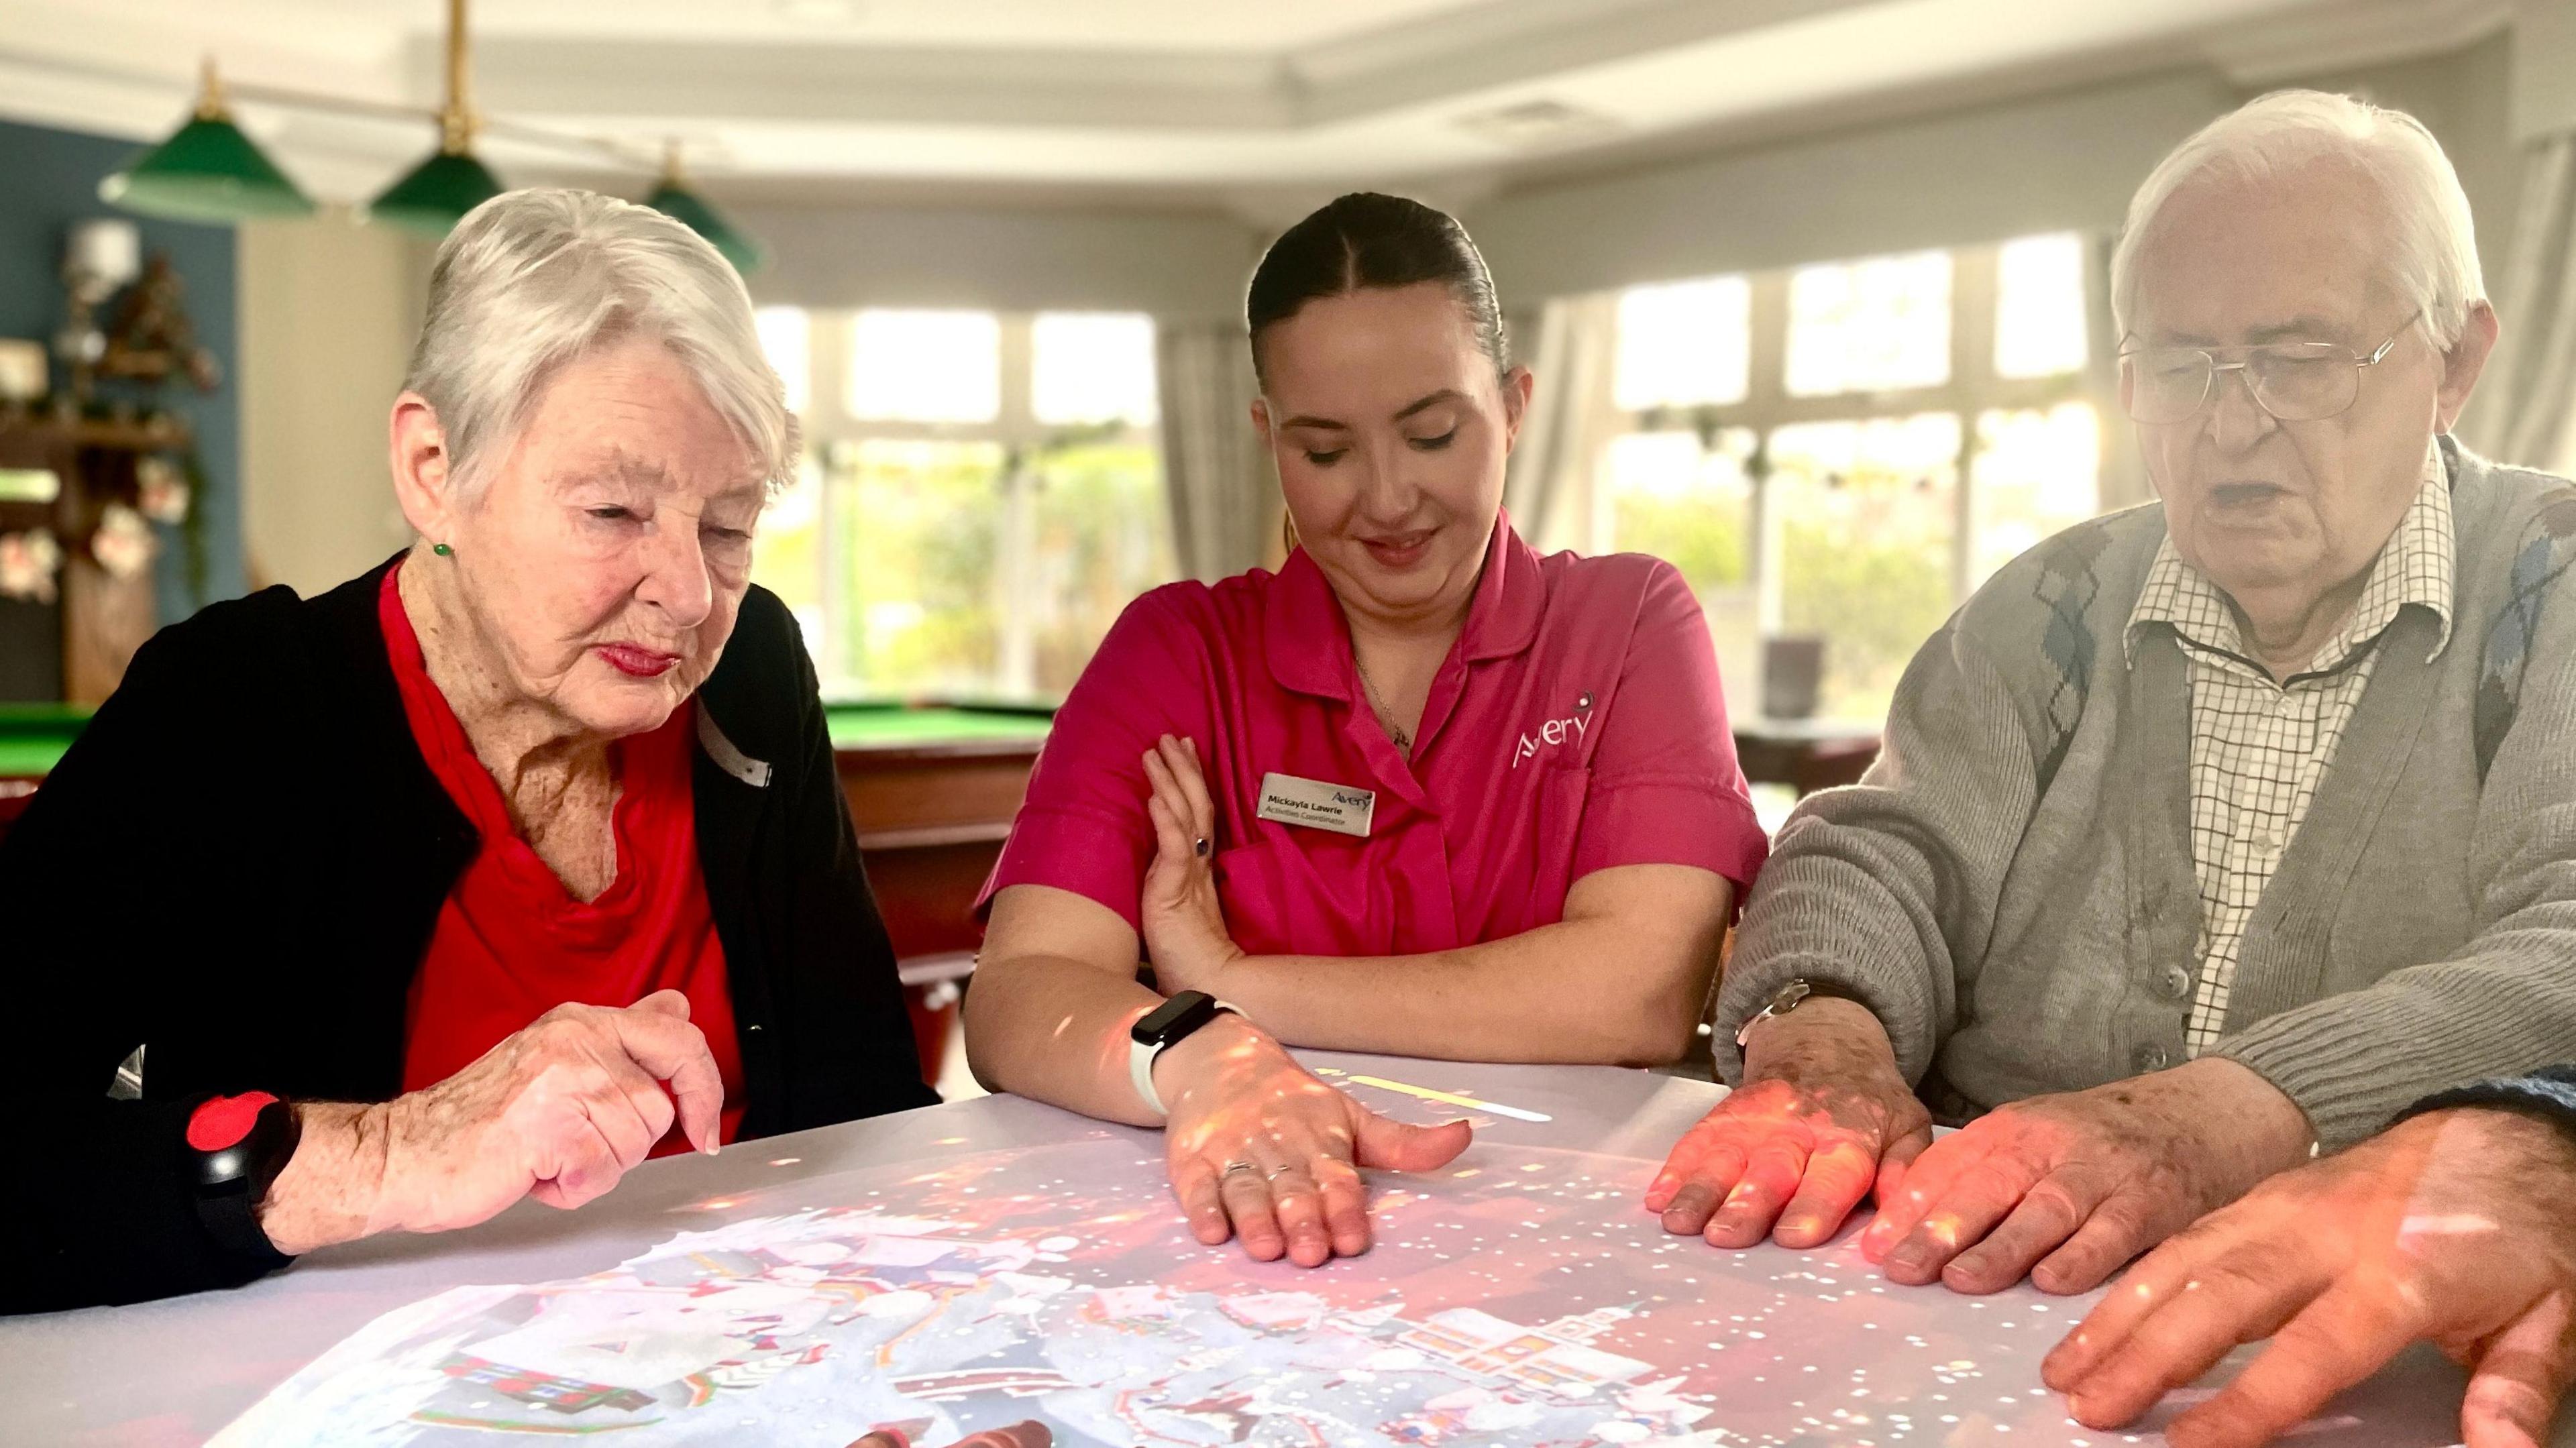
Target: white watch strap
x: 1141, y: 1058
x: 1140, y: 1069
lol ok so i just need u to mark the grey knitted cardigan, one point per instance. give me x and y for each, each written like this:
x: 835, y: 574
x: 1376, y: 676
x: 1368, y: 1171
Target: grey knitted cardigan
x: 2011, y: 889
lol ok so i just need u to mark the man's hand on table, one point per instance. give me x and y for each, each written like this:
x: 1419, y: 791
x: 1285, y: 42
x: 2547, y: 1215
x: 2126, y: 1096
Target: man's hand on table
x: 559, y: 1111
x: 2452, y: 1226
x: 1261, y: 1150
x: 1182, y: 920
x: 2066, y: 1188
x: 1822, y: 1119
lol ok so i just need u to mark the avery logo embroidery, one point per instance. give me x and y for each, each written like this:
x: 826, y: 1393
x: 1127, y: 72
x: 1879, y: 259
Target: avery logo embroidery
x: 1556, y: 731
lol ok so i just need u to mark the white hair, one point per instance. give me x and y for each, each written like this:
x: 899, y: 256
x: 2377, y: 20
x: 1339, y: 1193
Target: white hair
x: 531, y: 280
x: 2429, y: 243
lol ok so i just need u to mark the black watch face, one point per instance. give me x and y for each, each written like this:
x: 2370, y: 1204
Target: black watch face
x: 1175, y: 1018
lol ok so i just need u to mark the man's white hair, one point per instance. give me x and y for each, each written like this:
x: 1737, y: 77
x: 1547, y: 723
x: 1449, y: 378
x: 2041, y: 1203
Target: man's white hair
x: 531, y: 280
x: 2429, y: 243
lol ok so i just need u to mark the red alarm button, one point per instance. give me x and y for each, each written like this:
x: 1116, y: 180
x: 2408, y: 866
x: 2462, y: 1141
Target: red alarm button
x: 224, y: 1120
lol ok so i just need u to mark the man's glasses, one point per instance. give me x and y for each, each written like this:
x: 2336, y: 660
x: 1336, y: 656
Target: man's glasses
x: 2293, y: 381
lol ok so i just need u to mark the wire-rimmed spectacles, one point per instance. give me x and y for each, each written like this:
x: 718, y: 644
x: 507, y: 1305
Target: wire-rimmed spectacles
x: 2293, y: 381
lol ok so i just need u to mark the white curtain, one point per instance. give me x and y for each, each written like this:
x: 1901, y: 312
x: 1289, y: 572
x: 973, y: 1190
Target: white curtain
x: 2521, y: 411
x: 1561, y: 439
x: 1216, y: 475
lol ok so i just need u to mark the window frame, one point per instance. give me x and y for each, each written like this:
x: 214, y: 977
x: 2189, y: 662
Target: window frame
x: 1974, y: 386
x: 829, y: 423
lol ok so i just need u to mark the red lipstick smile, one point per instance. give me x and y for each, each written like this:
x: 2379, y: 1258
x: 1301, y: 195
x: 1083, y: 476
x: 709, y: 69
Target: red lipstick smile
x: 637, y: 661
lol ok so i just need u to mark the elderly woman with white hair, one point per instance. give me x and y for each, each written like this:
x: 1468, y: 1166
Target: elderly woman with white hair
x: 2207, y: 835
x: 466, y: 880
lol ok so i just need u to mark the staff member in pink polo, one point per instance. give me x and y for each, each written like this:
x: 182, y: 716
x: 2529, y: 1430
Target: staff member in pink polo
x: 1422, y: 791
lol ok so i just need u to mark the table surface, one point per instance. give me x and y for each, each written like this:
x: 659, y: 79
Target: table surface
x: 34, y: 736
x: 1479, y: 1235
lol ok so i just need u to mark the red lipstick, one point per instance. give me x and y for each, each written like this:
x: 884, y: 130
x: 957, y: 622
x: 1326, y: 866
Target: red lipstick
x: 637, y: 661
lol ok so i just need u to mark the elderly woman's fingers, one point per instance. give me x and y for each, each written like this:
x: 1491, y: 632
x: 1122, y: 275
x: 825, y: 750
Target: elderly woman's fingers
x: 623, y: 1113
x: 676, y: 1052
x: 672, y: 1003
x: 576, y: 1165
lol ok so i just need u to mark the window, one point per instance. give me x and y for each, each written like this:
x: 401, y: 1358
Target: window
x: 1845, y: 451
x: 981, y: 496
x: 925, y: 366
x: 1683, y: 343
x: 1870, y: 326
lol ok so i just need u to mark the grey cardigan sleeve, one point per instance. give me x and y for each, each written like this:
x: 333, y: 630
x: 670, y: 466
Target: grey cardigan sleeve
x: 1884, y: 888
x: 2505, y: 1002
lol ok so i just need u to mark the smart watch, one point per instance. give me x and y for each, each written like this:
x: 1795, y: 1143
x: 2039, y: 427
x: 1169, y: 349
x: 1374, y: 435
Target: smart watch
x: 1164, y: 1027
x: 236, y: 1147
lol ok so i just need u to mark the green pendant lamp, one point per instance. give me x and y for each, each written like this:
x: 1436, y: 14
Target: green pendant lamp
x: 674, y: 199
x: 439, y: 191
x: 207, y: 171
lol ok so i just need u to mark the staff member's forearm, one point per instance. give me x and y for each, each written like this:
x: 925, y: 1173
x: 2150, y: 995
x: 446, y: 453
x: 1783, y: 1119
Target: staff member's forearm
x: 1055, y: 1030
x: 1622, y: 979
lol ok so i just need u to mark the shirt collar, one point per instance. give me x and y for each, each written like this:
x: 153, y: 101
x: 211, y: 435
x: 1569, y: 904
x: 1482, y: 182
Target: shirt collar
x: 1308, y: 639
x: 2415, y: 567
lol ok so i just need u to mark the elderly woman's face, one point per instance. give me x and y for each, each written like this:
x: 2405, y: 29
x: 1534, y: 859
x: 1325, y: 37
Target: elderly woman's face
x: 2257, y: 504
x: 607, y: 556
x: 1390, y: 429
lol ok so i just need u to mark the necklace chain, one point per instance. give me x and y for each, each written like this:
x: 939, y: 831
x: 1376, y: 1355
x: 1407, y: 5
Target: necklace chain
x: 1385, y: 716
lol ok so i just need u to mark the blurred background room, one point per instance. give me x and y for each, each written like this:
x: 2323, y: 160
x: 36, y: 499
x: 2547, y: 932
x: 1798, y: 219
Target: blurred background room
x: 1814, y: 291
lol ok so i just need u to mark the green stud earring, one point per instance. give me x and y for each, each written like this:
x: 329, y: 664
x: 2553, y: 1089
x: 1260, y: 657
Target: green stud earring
x: 442, y: 550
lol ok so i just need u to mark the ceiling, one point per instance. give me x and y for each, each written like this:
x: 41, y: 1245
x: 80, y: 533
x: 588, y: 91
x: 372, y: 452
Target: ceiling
x: 1189, y: 100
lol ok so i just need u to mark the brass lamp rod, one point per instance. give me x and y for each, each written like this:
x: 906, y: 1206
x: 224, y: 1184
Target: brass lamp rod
x: 456, y: 120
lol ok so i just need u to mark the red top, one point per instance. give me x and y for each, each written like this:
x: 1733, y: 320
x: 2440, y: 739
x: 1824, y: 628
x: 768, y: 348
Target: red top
x: 512, y: 943
x: 1577, y: 724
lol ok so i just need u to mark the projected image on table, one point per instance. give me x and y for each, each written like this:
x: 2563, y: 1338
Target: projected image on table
x: 1519, y: 1297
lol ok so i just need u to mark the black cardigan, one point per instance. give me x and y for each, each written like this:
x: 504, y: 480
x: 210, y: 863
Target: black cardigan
x: 240, y: 862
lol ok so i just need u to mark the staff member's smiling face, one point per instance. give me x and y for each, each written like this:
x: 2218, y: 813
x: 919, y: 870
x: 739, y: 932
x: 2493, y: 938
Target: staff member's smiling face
x: 1390, y: 426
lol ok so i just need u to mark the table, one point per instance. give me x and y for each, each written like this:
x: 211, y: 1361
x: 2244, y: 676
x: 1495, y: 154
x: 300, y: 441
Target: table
x: 1502, y: 1273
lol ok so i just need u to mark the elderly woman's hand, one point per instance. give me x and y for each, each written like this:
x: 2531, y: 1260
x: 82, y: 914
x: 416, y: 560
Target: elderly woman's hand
x: 559, y: 1111
x: 2450, y: 1227
x: 1184, y: 925
x: 1261, y: 1150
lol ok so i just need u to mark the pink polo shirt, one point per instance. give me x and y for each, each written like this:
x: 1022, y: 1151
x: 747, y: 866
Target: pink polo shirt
x: 1577, y: 724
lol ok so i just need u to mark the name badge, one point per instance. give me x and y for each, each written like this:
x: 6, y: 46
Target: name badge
x: 1317, y: 805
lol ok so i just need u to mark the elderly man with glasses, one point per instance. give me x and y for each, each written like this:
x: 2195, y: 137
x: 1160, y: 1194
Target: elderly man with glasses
x: 2208, y: 835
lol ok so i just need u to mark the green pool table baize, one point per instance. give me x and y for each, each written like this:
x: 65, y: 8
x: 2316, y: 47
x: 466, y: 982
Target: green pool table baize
x: 33, y: 737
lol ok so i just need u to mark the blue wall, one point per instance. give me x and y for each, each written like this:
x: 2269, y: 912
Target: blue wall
x: 48, y: 180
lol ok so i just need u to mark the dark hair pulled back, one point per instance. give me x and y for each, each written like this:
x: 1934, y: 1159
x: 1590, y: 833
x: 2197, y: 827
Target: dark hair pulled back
x: 1366, y: 239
